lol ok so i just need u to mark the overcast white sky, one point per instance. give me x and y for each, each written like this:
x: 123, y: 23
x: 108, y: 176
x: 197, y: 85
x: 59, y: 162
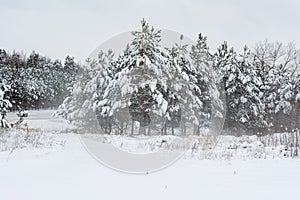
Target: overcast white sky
x: 76, y: 27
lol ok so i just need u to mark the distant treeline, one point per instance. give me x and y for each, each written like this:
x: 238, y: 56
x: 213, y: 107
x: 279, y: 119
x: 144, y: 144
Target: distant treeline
x: 36, y: 81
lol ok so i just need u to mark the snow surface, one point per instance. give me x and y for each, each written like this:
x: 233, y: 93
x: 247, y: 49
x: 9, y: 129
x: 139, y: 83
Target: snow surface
x: 42, y: 119
x: 69, y: 172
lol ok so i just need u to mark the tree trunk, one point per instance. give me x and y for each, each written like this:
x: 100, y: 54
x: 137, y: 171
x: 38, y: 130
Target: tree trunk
x: 132, y: 127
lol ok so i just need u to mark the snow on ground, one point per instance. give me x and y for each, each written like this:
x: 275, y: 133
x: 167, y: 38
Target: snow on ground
x: 42, y: 119
x: 68, y: 172
x: 139, y: 144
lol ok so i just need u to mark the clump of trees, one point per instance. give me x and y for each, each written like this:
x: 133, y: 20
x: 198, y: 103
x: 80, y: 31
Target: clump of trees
x: 167, y: 90
x: 36, y: 81
x: 159, y: 89
x: 260, y: 87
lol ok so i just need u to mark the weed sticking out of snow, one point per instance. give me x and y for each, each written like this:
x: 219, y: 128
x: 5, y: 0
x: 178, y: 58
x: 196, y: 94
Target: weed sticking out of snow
x: 279, y: 145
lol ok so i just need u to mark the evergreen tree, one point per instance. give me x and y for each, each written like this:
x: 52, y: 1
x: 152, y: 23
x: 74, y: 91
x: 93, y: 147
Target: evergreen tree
x: 140, y: 79
x: 241, y: 86
x: 250, y: 110
x: 225, y: 64
x: 5, y: 105
x: 70, y: 71
x: 205, y: 80
x: 80, y: 106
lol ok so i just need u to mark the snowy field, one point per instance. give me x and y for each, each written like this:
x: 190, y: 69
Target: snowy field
x: 63, y: 169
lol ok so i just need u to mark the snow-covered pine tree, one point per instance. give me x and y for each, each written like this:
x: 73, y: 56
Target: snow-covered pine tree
x: 104, y: 72
x: 62, y: 82
x: 225, y: 64
x: 181, y: 60
x: 38, y: 82
x: 74, y: 107
x: 70, y: 71
x: 5, y: 105
x: 34, y: 60
x: 243, y: 106
x: 197, y: 65
x: 250, y: 110
x: 205, y: 79
x: 80, y: 107
x: 140, y: 79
